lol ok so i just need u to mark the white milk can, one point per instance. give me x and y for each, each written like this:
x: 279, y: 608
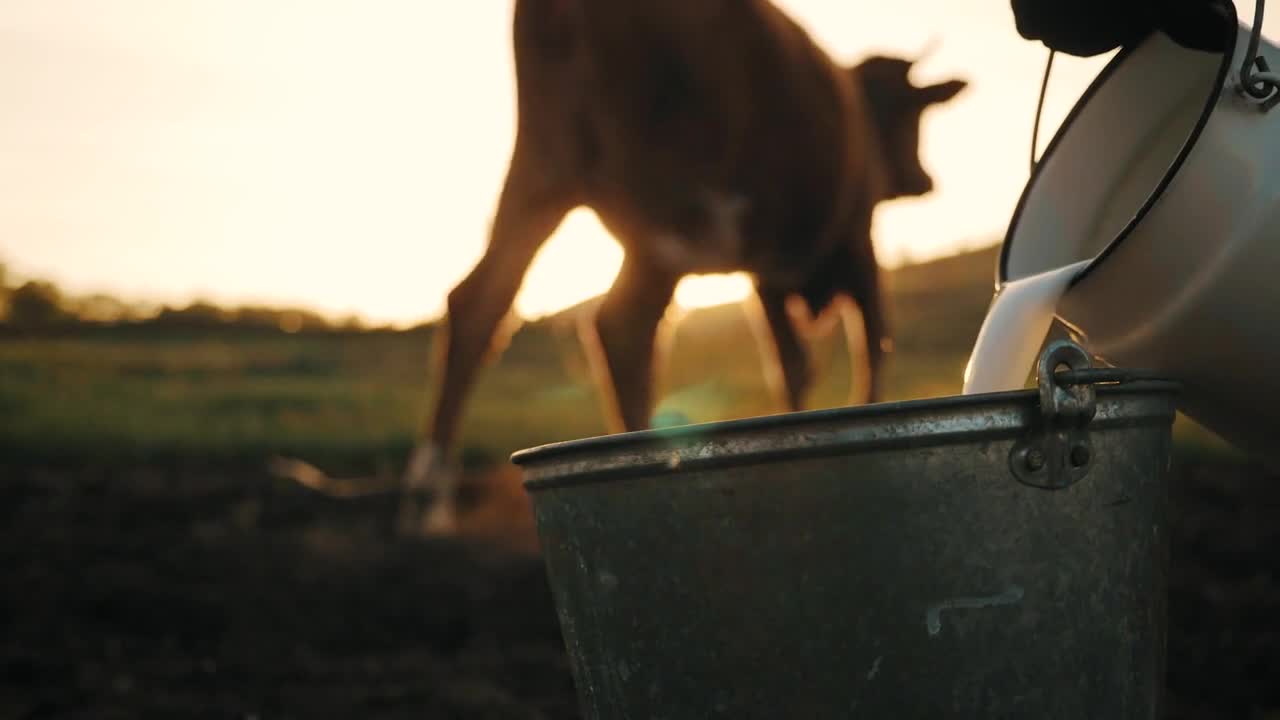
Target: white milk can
x: 1165, y: 178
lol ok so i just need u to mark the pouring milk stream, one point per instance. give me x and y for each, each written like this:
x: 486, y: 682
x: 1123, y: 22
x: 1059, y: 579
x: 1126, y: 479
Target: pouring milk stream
x: 1014, y: 330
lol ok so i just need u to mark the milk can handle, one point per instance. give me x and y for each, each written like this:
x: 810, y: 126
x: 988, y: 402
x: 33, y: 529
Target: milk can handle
x: 1035, y: 126
x: 1260, y: 85
x: 1257, y: 81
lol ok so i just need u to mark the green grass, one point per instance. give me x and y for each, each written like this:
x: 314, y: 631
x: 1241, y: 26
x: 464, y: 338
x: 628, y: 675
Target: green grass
x: 350, y: 400
x: 138, y: 396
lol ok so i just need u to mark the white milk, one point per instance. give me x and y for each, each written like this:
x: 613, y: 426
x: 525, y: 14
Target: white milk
x: 1016, y: 325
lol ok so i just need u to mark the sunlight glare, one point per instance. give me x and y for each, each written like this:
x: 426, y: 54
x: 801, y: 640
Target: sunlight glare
x: 581, y: 260
x: 577, y: 263
x: 699, y: 291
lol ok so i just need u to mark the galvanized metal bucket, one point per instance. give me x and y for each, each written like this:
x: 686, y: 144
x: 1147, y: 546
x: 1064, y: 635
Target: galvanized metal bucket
x: 999, y: 555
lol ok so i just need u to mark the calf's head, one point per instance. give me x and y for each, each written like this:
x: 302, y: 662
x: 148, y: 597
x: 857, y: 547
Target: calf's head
x: 895, y: 106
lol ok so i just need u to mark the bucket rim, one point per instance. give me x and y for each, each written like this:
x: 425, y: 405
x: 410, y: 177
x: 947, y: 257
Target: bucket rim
x: 1019, y: 409
x: 1211, y: 101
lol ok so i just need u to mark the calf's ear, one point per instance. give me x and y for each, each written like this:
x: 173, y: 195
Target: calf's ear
x: 941, y: 92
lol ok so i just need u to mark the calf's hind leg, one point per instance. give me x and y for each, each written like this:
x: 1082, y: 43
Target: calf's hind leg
x: 787, y: 366
x: 865, y: 291
x: 624, y: 343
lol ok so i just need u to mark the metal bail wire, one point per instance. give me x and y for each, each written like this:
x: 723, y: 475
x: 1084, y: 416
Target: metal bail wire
x: 1257, y: 82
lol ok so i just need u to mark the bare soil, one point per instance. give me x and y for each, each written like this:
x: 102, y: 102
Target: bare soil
x: 202, y: 592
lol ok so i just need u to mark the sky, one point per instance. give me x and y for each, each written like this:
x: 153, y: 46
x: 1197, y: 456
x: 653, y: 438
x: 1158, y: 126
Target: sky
x: 345, y: 155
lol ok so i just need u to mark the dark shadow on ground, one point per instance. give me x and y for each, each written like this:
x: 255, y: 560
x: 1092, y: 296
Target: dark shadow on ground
x: 190, y: 592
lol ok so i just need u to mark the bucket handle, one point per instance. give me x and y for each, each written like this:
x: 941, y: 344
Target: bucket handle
x: 1257, y: 81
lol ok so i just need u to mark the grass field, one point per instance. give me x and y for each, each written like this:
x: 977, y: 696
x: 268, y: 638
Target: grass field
x: 354, y: 400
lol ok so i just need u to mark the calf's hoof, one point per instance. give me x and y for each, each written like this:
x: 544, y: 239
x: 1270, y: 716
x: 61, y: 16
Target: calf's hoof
x: 428, y: 502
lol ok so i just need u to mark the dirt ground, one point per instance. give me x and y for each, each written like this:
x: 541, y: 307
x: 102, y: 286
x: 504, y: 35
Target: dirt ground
x: 197, y: 592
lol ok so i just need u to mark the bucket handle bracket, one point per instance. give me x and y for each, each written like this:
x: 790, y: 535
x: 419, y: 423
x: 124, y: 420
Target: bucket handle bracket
x: 1057, y: 453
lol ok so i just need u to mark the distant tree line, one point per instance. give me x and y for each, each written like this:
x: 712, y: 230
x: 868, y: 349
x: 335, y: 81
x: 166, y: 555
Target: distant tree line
x: 41, y: 305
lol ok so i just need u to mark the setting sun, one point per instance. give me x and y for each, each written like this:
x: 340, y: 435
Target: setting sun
x: 580, y: 261
x: 707, y: 290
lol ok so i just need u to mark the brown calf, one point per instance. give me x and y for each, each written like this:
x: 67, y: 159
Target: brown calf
x: 708, y: 136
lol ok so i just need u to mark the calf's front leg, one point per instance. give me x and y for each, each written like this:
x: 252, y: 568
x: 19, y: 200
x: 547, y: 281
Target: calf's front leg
x: 533, y: 202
